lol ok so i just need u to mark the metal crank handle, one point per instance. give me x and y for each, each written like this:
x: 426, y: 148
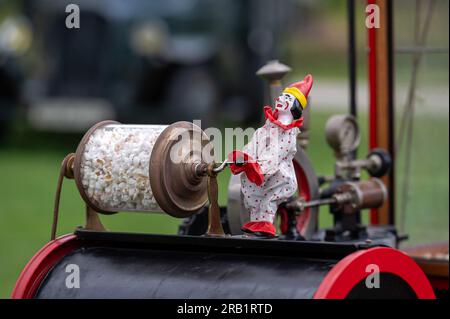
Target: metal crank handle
x: 200, y: 169
x: 222, y: 166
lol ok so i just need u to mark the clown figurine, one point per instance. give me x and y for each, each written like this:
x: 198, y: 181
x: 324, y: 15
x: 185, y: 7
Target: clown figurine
x: 268, y: 175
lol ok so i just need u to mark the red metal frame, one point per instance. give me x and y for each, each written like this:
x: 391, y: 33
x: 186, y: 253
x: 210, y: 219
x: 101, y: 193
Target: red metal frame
x: 304, y: 192
x: 37, y: 268
x: 352, y: 269
x: 381, y: 101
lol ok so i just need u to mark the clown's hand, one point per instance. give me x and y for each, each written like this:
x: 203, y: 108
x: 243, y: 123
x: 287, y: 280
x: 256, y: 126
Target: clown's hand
x: 239, y: 160
x: 242, y: 162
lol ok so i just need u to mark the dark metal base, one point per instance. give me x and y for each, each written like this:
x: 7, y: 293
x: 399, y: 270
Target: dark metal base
x: 232, y: 244
x: 374, y: 235
x: 384, y: 235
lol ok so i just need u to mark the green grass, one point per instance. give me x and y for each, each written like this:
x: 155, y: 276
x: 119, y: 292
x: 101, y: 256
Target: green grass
x: 28, y: 179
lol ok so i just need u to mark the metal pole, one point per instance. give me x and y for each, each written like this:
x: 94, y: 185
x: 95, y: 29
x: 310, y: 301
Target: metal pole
x: 352, y: 56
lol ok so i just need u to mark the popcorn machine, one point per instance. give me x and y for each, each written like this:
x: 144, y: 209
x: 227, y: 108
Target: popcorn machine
x: 142, y: 168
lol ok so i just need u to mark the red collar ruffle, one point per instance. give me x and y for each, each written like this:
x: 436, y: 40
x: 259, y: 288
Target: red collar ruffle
x: 273, y: 117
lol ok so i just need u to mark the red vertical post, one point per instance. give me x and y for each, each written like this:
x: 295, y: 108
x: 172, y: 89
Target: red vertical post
x: 381, y: 106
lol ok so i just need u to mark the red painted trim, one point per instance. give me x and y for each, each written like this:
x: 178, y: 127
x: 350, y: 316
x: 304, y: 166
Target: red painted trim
x: 38, y: 267
x: 372, y: 59
x: 352, y: 269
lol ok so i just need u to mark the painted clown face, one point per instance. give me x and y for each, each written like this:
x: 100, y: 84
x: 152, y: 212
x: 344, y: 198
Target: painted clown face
x: 284, y: 102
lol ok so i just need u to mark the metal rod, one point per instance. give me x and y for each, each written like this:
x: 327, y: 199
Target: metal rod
x: 221, y: 167
x: 224, y: 164
x: 320, y: 202
x: 391, y: 101
x: 299, y: 205
x: 65, y: 171
x: 407, y: 122
x: 352, y: 55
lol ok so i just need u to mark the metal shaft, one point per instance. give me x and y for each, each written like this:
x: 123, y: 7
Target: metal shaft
x: 320, y: 202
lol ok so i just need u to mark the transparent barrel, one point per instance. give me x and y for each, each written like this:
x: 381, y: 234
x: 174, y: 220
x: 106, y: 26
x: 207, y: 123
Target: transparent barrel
x: 114, y: 167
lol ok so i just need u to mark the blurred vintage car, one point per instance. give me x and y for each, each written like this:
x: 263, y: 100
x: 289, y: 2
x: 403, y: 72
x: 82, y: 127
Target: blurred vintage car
x: 145, y: 61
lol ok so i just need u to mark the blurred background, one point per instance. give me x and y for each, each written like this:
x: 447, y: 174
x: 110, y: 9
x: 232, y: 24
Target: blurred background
x: 158, y: 62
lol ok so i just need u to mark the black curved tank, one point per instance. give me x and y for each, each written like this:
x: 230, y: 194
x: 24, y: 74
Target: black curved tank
x: 120, y: 265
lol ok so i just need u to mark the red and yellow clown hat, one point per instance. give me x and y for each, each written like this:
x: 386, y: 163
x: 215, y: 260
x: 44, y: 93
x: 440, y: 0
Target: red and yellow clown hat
x: 301, y: 90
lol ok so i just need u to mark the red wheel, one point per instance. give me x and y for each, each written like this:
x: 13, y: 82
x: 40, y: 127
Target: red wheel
x: 398, y: 277
x: 308, y: 189
x: 41, y: 263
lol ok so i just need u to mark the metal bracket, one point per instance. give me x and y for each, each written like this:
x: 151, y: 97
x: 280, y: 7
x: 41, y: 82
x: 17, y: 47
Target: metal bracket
x: 93, y: 222
x: 214, y: 224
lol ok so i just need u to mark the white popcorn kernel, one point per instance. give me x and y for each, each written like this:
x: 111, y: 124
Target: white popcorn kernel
x: 115, y: 167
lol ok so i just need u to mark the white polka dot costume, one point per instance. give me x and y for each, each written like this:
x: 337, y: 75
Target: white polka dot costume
x: 269, y: 175
x: 274, y: 148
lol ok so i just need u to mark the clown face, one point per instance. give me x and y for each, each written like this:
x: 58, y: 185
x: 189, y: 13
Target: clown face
x: 284, y: 102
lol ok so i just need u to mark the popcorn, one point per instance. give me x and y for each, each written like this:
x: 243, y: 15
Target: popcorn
x: 115, y: 167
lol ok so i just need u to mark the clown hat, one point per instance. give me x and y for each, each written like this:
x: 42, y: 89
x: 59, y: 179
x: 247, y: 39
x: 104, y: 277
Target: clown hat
x: 301, y: 90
